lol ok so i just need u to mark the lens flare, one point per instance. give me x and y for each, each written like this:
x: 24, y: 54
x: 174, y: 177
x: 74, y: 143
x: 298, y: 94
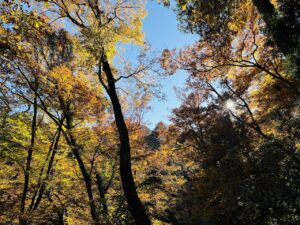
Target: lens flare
x: 230, y: 105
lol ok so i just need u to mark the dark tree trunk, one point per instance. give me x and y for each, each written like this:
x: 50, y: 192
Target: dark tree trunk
x: 86, y: 177
x: 134, y: 204
x: 40, y: 180
x: 23, y: 220
x: 40, y: 191
x: 102, y: 192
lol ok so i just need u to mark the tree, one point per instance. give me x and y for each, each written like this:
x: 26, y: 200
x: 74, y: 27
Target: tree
x: 210, y: 19
x: 103, y: 26
x: 234, y: 116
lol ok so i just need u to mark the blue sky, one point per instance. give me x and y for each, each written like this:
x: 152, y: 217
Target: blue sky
x: 161, y: 31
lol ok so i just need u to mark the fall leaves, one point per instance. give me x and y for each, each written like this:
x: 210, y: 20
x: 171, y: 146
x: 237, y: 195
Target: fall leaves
x: 73, y: 145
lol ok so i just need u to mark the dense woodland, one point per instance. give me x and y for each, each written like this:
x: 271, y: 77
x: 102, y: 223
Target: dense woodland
x: 74, y: 148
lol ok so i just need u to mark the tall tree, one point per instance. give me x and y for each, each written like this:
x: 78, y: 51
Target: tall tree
x: 101, y: 27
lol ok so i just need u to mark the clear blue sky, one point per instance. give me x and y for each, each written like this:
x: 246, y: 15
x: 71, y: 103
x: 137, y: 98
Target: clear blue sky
x: 161, y: 31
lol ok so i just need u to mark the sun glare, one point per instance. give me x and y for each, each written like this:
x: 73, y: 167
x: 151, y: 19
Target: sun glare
x: 230, y: 105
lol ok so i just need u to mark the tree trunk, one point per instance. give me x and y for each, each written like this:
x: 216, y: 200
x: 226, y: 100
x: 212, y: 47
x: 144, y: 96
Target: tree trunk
x: 86, y: 177
x: 23, y: 220
x: 43, y: 185
x: 102, y: 193
x: 134, y: 204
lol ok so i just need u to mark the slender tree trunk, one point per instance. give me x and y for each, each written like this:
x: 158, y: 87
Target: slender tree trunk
x: 134, y: 204
x: 86, y: 177
x: 43, y: 185
x: 102, y: 192
x: 23, y: 220
x: 49, y: 154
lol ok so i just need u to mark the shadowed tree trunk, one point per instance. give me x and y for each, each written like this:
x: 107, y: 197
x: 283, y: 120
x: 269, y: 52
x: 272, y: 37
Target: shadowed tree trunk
x: 38, y: 195
x: 102, y: 192
x: 22, y: 219
x: 134, y: 204
x: 86, y: 177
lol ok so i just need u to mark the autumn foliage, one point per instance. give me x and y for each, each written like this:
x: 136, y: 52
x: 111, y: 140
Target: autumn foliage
x: 74, y: 148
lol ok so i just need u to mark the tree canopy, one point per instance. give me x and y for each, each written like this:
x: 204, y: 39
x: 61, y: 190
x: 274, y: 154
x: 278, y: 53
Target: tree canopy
x: 75, y: 149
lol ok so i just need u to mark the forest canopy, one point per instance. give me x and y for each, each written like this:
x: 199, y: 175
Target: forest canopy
x: 75, y: 147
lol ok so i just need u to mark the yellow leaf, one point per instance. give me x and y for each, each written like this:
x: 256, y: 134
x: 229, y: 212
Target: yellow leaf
x: 18, y: 37
x: 233, y: 26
